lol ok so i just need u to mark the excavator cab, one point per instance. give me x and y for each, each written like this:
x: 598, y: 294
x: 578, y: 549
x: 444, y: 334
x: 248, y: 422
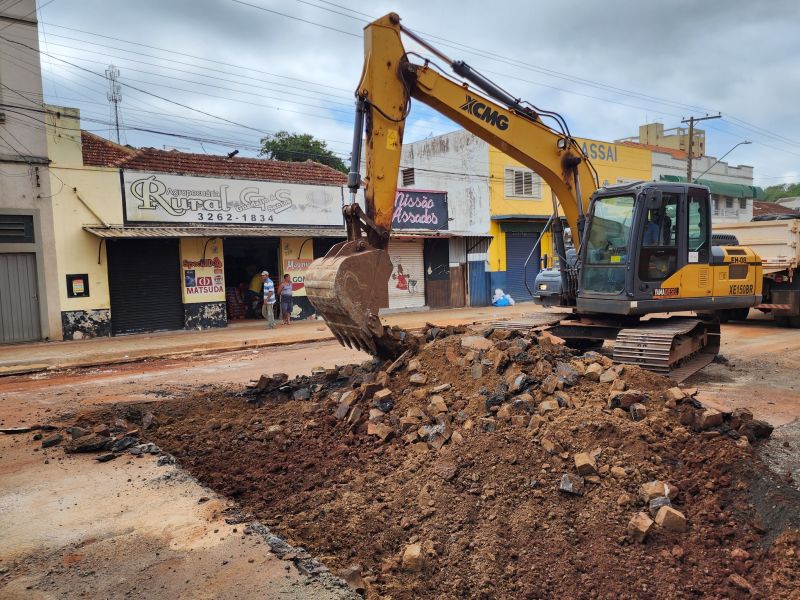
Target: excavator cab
x: 647, y: 249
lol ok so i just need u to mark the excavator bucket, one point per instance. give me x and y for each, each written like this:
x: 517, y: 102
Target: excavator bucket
x: 348, y: 286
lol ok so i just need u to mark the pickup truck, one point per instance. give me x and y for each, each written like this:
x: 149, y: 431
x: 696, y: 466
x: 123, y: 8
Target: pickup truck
x: 777, y: 241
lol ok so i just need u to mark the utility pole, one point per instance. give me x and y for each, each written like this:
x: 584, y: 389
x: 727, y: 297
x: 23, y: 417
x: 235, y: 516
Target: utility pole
x: 691, y: 121
x: 114, y: 94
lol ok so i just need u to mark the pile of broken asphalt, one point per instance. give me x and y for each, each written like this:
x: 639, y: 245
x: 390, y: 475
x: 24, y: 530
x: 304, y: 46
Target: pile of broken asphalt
x: 496, y: 465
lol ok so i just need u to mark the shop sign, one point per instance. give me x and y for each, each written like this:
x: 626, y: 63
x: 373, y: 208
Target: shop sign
x: 159, y: 198
x: 420, y: 209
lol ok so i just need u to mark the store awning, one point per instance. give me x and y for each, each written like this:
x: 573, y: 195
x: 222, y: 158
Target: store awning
x: 119, y: 231
x: 733, y: 190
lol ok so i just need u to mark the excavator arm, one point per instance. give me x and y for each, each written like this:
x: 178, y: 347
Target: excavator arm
x: 350, y: 284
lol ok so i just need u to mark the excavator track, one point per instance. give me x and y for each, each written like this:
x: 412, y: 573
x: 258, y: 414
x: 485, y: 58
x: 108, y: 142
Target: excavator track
x: 676, y: 347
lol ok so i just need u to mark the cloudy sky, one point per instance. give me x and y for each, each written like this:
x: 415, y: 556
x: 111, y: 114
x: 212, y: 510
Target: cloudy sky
x: 258, y: 66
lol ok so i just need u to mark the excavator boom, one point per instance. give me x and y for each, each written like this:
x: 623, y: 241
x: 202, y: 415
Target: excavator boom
x: 349, y: 286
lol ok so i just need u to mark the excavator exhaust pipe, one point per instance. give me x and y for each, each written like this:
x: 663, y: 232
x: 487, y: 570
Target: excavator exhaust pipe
x: 348, y: 287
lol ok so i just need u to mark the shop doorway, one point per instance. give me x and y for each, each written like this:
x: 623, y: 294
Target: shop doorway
x: 245, y: 258
x: 437, y: 272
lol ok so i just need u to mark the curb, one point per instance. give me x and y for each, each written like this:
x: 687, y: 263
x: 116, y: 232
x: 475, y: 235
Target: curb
x: 121, y: 360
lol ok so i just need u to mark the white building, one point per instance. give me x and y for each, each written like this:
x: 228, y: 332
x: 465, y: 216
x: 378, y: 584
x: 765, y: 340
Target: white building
x: 29, y: 305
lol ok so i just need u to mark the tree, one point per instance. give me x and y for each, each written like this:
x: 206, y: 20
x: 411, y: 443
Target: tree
x: 297, y: 147
x: 782, y: 190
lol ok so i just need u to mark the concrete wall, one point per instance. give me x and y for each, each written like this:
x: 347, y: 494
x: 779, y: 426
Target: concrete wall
x: 25, y: 181
x: 86, y: 196
x: 457, y: 163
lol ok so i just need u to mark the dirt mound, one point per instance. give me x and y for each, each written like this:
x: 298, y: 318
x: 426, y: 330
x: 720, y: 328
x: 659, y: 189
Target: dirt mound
x: 498, y: 466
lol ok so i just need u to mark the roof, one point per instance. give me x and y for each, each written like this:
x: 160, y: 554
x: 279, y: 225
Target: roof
x: 734, y: 190
x: 680, y: 154
x: 122, y: 231
x: 100, y: 152
x: 761, y: 209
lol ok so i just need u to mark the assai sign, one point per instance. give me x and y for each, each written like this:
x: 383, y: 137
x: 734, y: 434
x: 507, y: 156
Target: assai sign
x: 160, y: 198
x: 420, y: 209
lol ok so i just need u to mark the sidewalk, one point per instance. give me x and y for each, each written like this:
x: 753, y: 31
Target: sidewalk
x: 41, y: 356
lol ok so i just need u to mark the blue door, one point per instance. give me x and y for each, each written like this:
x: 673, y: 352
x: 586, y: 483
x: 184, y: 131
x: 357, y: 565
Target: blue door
x: 518, y: 248
x: 478, y: 283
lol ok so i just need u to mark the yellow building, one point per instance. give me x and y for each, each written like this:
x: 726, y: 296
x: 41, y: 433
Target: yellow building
x: 520, y: 204
x: 150, y: 239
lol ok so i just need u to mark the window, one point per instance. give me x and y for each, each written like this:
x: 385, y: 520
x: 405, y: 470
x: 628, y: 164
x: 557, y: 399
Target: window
x: 407, y: 176
x: 728, y: 202
x: 743, y: 203
x: 16, y: 229
x: 522, y: 183
x: 609, y: 234
x: 659, y: 249
x: 698, y: 225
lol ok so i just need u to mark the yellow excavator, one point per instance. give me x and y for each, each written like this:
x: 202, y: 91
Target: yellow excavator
x: 642, y: 248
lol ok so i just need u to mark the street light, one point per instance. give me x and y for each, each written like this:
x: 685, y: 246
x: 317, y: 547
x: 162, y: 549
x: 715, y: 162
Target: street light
x: 720, y: 158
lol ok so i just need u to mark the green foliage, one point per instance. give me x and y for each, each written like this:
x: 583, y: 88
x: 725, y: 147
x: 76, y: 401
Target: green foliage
x: 782, y: 190
x: 297, y: 147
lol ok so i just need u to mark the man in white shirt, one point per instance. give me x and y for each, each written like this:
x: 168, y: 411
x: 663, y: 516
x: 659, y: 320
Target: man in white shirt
x: 269, y: 300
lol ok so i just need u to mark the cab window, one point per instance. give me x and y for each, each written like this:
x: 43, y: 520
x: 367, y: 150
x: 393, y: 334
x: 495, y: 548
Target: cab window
x: 697, y: 223
x: 659, y: 248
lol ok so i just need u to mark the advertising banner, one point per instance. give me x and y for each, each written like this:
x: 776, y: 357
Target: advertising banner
x: 420, y: 209
x: 203, y: 277
x: 296, y: 256
x: 160, y: 198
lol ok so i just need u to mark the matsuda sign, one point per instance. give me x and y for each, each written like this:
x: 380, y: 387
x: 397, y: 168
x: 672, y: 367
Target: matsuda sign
x: 159, y: 198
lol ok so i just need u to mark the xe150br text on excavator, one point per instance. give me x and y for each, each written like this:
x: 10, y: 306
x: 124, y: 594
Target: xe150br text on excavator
x: 642, y: 248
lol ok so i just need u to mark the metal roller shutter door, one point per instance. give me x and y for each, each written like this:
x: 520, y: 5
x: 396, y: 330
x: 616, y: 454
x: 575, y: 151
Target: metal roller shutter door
x: 407, y: 283
x: 144, y: 285
x: 518, y: 247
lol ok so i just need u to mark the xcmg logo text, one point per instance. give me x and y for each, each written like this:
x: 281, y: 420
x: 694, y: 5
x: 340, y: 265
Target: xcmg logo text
x: 485, y: 113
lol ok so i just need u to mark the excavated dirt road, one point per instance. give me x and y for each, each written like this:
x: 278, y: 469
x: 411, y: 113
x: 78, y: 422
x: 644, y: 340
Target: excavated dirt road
x: 760, y: 374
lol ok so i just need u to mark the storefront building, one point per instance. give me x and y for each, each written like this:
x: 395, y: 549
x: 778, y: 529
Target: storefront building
x: 154, y: 240
x: 455, y: 247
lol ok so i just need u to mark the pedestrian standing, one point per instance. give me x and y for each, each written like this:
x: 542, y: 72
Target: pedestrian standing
x: 269, y: 300
x: 285, y: 294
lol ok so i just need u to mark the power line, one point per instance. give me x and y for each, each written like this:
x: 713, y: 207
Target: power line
x: 176, y: 52
x: 186, y: 106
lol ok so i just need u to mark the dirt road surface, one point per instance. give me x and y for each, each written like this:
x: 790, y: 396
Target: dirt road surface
x: 74, y: 527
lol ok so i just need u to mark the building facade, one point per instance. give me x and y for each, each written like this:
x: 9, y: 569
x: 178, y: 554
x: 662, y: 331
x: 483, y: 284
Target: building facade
x: 156, y: 240
x: 503, y: 206
x: 456, y: 166
x: 29, y: 303
x: 677, y: 138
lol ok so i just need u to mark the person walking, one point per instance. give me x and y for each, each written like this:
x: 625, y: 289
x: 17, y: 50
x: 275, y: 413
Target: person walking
x: 285, y: 293
x: 269, y: 300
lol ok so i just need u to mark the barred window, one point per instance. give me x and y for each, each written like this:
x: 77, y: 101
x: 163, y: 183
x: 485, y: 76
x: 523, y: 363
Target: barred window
x: 407, y: 176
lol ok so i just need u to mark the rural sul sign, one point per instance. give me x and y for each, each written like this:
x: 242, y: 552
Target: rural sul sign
x: 159, y: 198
